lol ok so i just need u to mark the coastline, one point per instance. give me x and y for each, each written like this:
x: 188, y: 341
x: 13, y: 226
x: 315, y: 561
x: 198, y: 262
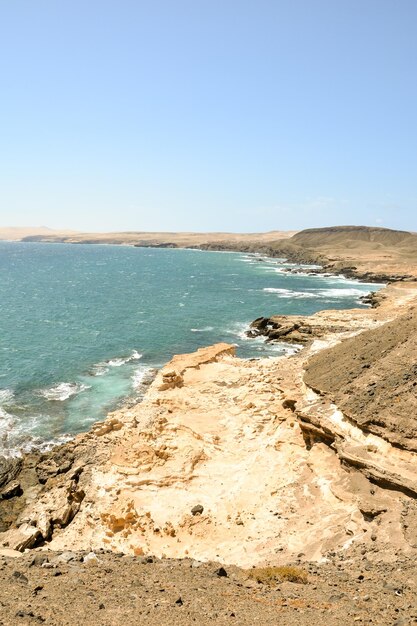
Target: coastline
x: 64, y: 485
x: 366, y: 253
x: 162, y: 510
x: 150, y: 370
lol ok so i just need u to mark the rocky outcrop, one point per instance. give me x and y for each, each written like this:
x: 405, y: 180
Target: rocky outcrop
x: 373, y: 380
x: 244, y: 461
x: 51, y: 482
x: 299, y: 329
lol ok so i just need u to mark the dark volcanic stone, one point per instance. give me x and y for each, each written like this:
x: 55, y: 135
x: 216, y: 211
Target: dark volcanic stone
x: 221, y: 572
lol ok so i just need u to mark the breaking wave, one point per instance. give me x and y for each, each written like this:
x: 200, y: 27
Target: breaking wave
x: 328, y: 293
x: 142, y: 377
x: 289, y: 293
x: 63, y: 391
x: 135, y: 356
x: 99, y: 369
x: 206, y: 329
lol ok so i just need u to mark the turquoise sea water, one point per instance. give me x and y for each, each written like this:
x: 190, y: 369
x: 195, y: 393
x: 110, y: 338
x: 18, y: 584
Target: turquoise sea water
x: 82, y: 326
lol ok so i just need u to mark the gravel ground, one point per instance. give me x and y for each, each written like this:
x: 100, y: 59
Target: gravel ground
x: 108, y: 589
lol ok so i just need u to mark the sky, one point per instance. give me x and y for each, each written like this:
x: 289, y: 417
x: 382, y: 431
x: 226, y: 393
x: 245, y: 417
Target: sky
x: 208, y: 115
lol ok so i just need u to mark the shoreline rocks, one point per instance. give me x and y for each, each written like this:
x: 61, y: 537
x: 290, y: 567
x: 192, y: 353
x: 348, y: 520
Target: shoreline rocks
x: 273, y: 461
x: 297, y: 329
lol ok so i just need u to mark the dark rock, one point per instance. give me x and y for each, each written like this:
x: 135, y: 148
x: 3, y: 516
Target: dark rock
x: 9, y: 469
x: 260, y: 323
x: 179, y: 602
x: 289, y: 404
x: 20, y: 577
x: 197, y: 509
x: 38, y: 560
x: 12, y: 490
x: 221, y: 572
x: 146, y: 559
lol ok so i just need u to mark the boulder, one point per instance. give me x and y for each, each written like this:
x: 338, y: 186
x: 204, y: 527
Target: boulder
x: 197, y: 509
x: 26, y: 536
x: 12, y: 490
x: 9, y: 469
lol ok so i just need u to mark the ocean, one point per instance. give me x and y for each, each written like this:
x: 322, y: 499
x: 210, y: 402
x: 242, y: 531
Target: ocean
x: 83, y: 327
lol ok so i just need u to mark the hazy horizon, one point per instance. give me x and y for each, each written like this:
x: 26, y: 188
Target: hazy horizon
x: 232, y: 232
x: 223, y: 116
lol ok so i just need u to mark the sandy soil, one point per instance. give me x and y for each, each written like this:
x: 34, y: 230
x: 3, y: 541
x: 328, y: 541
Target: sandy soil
x: 114, y: 590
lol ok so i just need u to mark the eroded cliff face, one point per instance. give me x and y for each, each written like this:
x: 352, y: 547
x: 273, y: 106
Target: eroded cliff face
x: 373, y: 379
x: 238, y: 461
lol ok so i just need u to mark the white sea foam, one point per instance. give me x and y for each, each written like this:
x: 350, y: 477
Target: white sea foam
x: 135, y: 356
x: 237, y: 330
x: 328, y: 293
x: 339, y: 293
x: 6, y: 422
x: 6, y: 396
x: 16, y: 439
x: 63, y: 391
x: 99, y: 369
x: 290, y: 348
x: 142, y: 376
x: 289, y: 293
x: 206, y: 329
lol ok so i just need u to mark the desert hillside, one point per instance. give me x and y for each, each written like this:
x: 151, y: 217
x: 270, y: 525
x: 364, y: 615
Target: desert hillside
x: 373, y: 379
x: 363, y: 250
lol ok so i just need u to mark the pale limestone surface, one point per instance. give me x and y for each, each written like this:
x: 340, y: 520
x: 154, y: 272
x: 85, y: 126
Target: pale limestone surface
x: 274, y: 484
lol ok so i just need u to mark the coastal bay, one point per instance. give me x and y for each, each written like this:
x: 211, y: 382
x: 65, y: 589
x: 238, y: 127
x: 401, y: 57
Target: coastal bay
x: 85, y: 327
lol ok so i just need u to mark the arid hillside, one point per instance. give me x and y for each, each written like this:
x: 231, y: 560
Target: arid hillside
x: 363, y: 249
x: 373, y: 379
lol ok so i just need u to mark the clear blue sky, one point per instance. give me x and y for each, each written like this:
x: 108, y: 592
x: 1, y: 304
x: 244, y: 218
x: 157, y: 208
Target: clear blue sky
x: 208, y: 114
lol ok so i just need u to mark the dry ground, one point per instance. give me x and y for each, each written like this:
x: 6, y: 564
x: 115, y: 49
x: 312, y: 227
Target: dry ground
x: 113, y: 590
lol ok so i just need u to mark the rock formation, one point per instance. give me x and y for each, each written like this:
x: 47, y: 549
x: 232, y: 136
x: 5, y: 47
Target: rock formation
x: 245, y: 461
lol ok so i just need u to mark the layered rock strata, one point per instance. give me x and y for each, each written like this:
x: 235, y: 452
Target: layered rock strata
x: 241, y: 461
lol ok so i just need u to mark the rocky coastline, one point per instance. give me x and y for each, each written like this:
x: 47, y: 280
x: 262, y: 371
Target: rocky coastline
x: 371, y: 254
x: 159, y: 513
x: 42, y: 495
x: 307, y: 461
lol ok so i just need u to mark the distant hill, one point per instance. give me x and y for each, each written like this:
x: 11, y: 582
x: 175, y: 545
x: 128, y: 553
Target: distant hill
x: 352, y: 235
x: 17, y: 233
